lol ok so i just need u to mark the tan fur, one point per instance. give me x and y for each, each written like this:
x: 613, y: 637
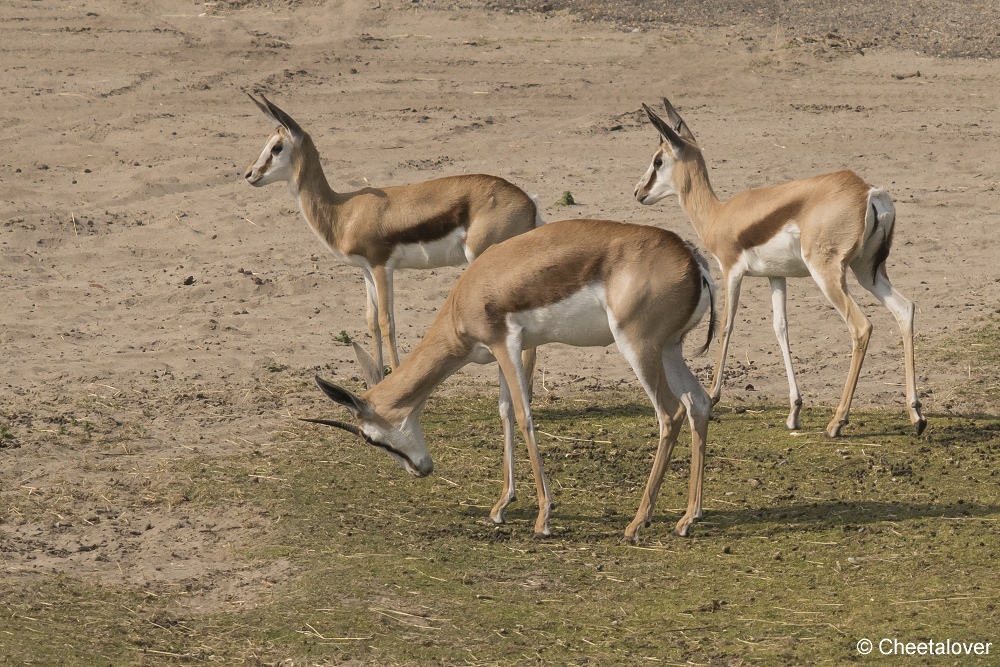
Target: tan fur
x: 372, y: 223
x: 654, y: 287
x: 829, y: 212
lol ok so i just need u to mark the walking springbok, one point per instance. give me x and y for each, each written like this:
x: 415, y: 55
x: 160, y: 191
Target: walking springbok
x: 442, y: 222
x: 579, y: 282
x: 816, y: 226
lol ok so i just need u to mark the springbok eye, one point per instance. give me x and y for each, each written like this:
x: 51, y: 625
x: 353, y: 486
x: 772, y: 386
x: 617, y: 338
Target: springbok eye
x: 276, y: 149
x: 657, y: 163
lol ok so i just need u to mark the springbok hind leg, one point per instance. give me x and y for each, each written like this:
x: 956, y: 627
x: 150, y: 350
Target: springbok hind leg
x: 696, y: 401
x: 902, y: 309
x: 833, y: 282
x: 647, y: 363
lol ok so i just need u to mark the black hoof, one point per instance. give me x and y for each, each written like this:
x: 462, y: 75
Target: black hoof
x: 920, y: 426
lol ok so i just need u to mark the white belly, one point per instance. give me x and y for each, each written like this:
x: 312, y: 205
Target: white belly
x: 780, y: 256
x: 449, y: 250
x: 580, y: 320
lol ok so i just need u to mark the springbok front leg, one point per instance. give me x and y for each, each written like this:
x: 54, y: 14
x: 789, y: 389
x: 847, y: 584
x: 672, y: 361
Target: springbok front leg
x: 778, y: 295
x: 733, y: 280
x: 386, y: 316
x: 372, y: 315
x: 508, y: 356
x: 529, y: 358
x: 507, y: 495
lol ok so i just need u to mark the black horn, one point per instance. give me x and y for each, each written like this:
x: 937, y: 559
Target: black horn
x: 667, y: 132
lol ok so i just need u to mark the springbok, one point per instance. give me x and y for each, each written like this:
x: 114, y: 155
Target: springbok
x: 442, y: 222
x: 816, y: 226
x: 579, y: 282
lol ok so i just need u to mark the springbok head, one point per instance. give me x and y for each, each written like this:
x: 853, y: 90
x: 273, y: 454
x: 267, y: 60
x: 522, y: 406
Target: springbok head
x: 678, y: 144
x: 276, y: 162
x: 402, y: 437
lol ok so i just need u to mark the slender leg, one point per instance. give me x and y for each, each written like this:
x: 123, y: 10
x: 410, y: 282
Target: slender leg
x: 508, y: 355
x: 832, y: 280
x: 902, y: 309
x: 778, y: 296
x: 386, y: 317
x: 647, y: 363
x: 733, y: 282
x: 528, y: 358
x: 372, y: 315
x: 507, y: 418
x: 696, y: 401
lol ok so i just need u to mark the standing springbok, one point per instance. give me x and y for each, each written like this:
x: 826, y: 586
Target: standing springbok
x: 816, y: 226
x: 443, y: 222
x: 578, y: 282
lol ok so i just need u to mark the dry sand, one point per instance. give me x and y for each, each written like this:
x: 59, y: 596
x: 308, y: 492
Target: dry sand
x: 154, y: 305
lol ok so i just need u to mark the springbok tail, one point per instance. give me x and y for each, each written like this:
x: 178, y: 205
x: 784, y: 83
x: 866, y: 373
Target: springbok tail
x: 707, y: 286
x: 880, y: 221
x: 538, y: 211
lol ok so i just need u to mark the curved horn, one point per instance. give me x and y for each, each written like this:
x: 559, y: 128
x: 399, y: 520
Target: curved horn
x: 679, y: 125
x: 281, y: 117
x: 667, y: 132
x: 350, y: 428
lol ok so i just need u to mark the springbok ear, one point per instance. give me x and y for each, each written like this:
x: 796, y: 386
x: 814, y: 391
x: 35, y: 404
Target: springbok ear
x: 667, y: 132
x: 373, y: 374
x: 680, y: 127
x: 277, y: 116
x: 341, y: 396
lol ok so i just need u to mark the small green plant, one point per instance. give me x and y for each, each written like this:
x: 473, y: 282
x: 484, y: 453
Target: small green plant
x: 343, y: 337
x: 275, y: 367
x: 566, y: 199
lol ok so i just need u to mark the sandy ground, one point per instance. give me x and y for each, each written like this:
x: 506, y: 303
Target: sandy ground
x: 154, y: 304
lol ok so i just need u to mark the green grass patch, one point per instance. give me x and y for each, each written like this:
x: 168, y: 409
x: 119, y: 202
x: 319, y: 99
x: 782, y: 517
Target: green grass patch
x: 977, y: 351
x: 808, y: 545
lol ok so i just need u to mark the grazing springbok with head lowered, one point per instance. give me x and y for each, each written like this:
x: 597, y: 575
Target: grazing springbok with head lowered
x: 442, y: 222
x: 818, y: 226
x: 578, y: 282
